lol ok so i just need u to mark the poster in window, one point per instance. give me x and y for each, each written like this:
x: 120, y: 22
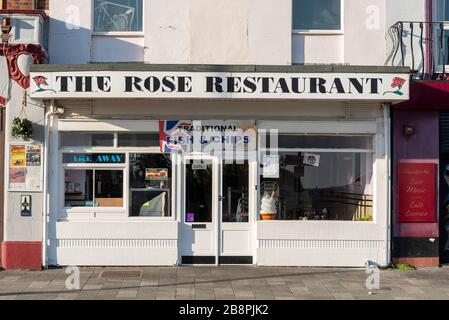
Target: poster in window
x: 156, y: 174
x: 311, y: 159
x: 17, y: 156
x: 271, y: 166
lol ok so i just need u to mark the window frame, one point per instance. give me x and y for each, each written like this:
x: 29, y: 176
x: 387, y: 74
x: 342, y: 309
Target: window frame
x: 118, y: 33
x: 89, y: 166
x: 286, y: 131
x: 436, y: 29
x: 172, y: 200
x: 108, y: 213
x: 322, y: 31
x: 114, y: 138
x: 94, y: 168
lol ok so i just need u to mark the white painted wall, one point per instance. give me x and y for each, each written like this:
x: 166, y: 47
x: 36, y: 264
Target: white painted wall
x: 220, y: 32
x: 16, y: 227
x: 113, y: 49
x: 318, y: 49
x: 362, y: 41
x: 364, y: 34
x: 70, y: 34
x: 406, y: 10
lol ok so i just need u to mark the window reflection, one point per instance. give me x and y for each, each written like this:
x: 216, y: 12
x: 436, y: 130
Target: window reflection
x: 317, y: 14
x: 331, y: 185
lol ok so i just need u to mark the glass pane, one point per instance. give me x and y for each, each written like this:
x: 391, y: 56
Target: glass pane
x: 320, y: 142
x: 78, y: 188
x: 444, y: 49
x: 235, y: 192
x: 138, y: 140
x: 150, y: 203
x: 442, y: 10
x: 118, y: 15
x: 109, y: 188
x: 85, y: 139
x: 198, y: 192
x: 150, y: 177
x: 336, y: 186
x: 150, y: 170
x: 316, y: 15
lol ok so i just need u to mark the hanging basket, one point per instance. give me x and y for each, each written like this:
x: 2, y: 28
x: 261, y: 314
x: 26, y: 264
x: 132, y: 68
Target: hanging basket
x: 22, y: 128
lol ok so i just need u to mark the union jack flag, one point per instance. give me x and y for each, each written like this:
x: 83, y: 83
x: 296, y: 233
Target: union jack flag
x: 173, y: 129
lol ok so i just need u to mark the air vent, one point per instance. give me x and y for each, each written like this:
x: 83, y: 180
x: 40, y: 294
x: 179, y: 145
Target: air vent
x: 444, y: 132
x: 121, y: 274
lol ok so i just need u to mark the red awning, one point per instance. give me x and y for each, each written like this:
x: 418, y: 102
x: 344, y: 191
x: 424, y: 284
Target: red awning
x: 429, y: 95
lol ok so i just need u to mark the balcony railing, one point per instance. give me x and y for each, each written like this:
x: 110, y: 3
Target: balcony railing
x: 422, y: 46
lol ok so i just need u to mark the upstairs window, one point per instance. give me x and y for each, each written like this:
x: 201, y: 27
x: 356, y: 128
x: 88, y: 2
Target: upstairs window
x: 320, y: 15
x: 118, y: 15
x: 442, y: 32
x: 442, y: 10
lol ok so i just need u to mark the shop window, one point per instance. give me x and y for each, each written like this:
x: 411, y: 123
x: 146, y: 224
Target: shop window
x: 93, y: 188
x: 150, y: 181
x: 317, y: 15
x: 118, y: 15
x: 85, y: 139
x: 138, y: 140
x: 331, y: 181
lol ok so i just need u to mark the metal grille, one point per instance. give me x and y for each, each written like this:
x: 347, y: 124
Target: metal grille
x: 121, y: 274
x: 444, y: 132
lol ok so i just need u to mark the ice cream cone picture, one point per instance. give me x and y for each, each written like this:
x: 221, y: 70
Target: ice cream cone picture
x: 268, y: 210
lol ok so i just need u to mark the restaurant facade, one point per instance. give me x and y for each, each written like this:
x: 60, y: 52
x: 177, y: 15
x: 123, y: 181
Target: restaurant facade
x: 184, y: 164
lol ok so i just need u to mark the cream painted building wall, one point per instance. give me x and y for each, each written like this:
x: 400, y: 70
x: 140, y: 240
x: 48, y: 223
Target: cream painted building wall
x: 219, y: 32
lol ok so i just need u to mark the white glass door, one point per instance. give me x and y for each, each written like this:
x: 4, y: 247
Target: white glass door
x: 216, y: 220
x: 199, y: 241
x: 236, y: 220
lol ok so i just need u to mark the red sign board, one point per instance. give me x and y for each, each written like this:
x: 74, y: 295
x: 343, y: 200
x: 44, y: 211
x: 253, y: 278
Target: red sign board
x: 416, y: 192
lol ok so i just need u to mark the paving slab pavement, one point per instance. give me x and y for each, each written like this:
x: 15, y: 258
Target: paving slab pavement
x: 225, y: 283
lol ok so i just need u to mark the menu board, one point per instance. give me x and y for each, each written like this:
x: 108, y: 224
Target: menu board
x: 416, y: 192
x: 156, y: 174
x: 25, y: 167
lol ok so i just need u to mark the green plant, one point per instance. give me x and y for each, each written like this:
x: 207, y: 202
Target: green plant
x: 365, y: 218
x: 401, y: 266
x: 21, y: 128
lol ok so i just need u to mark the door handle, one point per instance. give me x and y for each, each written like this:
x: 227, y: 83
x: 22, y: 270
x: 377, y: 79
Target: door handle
x: 221, y: 198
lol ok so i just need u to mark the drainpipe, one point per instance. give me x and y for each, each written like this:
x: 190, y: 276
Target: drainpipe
x: 387, y: 133
x: 48, y: 111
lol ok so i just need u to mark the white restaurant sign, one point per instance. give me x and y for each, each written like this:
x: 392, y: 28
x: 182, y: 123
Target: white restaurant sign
x: 143, y: 84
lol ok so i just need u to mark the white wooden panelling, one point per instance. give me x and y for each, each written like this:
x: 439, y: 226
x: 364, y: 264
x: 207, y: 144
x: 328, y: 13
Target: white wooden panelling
x: 320, y: 244
x: 113, y: 243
